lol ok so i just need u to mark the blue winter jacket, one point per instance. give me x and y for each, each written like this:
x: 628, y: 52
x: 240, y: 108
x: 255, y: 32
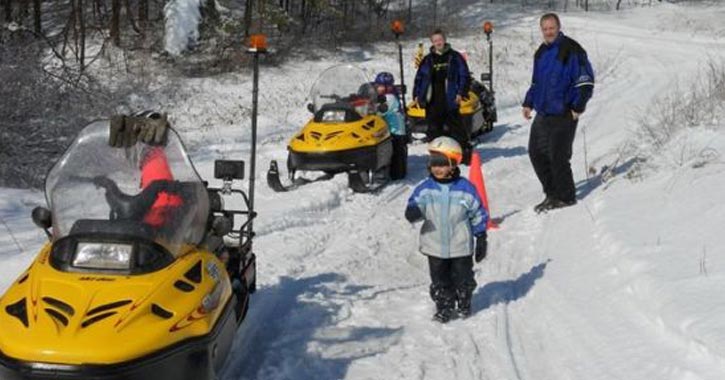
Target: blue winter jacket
x: 563, y: 78
x: 458, y: 81
x: 394, y: 115
x: 452, y: 216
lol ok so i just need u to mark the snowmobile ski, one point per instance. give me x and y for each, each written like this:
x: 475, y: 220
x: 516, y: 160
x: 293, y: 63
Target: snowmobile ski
x: 275, y: 182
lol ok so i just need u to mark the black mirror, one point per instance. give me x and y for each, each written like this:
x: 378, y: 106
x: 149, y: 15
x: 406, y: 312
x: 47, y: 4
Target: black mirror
x: 311, y: 107
x: 227, y: 169
x: 42, y: 217
x: 221, y: 226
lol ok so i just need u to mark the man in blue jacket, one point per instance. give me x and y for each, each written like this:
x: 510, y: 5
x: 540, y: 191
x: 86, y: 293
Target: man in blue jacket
x: 441, y: 83
x: 561, y: 86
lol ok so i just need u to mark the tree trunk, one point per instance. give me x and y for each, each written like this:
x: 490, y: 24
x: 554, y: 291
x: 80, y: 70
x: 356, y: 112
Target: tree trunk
x: 435, y: 14
x: 80, y: 12
x: 143, y: 15
x: 247, y: 16
x: 619, y: 2
x: 37, y: 16
x: 8, y: 10
x: 410, y: 11
x: 116, y: 22
x: 24, y: 10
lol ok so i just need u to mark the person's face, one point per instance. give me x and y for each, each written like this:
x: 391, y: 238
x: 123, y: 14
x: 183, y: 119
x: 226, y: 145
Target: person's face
x: 438, y: 41
x: 381, y: 89
x: 441, y: 172
x: 550, y: 30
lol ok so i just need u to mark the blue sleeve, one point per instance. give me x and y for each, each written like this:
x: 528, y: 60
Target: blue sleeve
x: 477, y: 214
x: 464, y: 77
x: 582, y: 79
x: 420, y: 76
x: 418, y: 198
x: 413, y: 201
x: 529, y: 98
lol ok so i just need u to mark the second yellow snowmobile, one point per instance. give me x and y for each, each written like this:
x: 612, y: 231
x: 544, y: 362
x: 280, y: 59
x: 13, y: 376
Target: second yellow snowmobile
x: 345, y: 134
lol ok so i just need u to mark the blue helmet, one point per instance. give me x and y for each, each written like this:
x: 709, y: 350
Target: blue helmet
x: 385, y: 78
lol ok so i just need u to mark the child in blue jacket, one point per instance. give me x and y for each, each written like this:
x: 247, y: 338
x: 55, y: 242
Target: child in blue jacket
x: 453, y: 219
x: 393, y: 115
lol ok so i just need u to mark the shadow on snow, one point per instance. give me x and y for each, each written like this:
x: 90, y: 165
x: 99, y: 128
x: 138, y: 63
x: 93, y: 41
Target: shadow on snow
x: 292, y: 332
x: 507, y: 291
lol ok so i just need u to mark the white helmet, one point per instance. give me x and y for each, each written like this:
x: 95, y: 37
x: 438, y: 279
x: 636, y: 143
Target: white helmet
x: 448, y: 147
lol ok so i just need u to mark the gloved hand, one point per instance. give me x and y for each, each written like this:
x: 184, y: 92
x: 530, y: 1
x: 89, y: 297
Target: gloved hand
x: 126, y: 131
x: 413, y: 214
x: 481, y: 247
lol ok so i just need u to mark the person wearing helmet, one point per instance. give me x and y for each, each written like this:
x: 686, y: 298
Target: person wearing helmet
x: 393, y: 116
x: 441, y: 83
x: 453, y: 230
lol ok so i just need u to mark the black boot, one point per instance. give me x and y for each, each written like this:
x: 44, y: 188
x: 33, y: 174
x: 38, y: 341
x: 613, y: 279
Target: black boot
x: 445, y: 301
x: 467, y: 153
x: 544, y: 205
x: 555, y: 204
x: 463, y: 300
x: 443, y: 315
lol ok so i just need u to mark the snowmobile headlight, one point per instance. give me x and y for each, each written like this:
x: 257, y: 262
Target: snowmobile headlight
x: 103, y: 256
x: 333, y: 117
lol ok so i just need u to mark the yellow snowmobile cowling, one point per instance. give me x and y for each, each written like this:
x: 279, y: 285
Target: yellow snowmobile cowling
x: 94, y: 318
x: 319, y: 137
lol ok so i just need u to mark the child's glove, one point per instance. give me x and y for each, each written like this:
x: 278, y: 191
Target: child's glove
x: 413, y: 214
x: 481, y: 247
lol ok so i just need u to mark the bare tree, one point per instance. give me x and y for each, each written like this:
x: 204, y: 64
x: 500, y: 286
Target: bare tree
x: 116, y: 22
x: 248, y: 16
x: 8, y: 10
x: 37, y: 17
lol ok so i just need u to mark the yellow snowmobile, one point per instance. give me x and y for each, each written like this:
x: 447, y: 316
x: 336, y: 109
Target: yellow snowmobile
x: 345, y: 135
x: 134, y: 283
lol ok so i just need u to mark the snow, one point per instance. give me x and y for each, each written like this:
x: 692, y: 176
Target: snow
x: 182, y: 25
x: 625, y: 285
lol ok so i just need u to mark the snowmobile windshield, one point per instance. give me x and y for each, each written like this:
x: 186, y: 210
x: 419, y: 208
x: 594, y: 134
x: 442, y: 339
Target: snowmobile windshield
x: 143, y: 192
x: 345, y: 86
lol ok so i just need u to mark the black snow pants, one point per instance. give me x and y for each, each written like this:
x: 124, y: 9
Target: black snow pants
x: 399, y: 164
x: 451, y: 281
x: 550, y: 150
x: 439, y: 117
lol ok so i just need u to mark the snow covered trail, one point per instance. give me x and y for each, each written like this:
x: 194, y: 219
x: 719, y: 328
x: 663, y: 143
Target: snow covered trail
x: 557, y: 299
x: 625, y: 285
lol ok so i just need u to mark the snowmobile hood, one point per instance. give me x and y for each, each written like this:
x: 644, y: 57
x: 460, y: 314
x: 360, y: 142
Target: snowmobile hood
x: 469, y: 106
x: 74, y: 318
x: 325, y: 136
